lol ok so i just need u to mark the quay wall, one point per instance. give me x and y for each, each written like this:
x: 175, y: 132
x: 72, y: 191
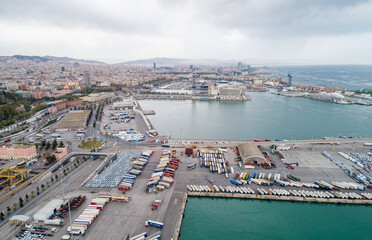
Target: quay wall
x: 261, y: 197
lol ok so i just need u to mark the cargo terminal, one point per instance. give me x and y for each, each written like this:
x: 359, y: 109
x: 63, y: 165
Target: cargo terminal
x: 150, y: 191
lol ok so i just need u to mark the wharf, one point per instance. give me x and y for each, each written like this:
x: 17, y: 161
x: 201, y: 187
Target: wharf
x: 280, y: 198
x: 192, y: 97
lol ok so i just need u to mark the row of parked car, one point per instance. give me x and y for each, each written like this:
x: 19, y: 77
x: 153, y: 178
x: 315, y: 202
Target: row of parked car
x: 35, y: 232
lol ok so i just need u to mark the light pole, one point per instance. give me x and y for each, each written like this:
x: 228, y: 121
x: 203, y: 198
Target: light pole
x: 68, y: 203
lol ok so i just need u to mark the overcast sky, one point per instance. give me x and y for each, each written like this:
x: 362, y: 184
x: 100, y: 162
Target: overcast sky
x: 262, y: 31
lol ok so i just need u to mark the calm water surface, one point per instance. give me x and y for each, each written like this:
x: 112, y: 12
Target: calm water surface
x: 268, y: 116
x: 220, y: 219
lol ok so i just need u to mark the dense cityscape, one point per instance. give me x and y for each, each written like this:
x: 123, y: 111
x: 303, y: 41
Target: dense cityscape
x: 258, y: 125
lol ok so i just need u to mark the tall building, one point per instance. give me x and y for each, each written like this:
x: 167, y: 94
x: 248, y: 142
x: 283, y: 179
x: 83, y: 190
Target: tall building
x: 87, y: 79
x: 63, y: 69
x: 289, y: 79
x: 154, y: 66
x: 240, y: 66
x: 220, y: 70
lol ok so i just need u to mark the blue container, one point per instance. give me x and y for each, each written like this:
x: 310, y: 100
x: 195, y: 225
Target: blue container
x: 234, y: 182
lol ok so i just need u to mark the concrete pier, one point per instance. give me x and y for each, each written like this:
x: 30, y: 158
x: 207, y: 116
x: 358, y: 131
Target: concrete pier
x: 281, y: 198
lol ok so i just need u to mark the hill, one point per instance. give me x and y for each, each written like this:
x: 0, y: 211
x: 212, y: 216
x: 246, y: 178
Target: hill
x: 179, y: 62
x: 58, y: 59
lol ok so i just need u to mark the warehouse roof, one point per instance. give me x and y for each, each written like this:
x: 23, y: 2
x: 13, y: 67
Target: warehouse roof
x: 21, y: 218
x: 250, y: 152
x: 47, y: 210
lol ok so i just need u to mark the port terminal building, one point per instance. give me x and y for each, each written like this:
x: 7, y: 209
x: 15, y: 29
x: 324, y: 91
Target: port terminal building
x: 251, y: 154
x: 17, y: 151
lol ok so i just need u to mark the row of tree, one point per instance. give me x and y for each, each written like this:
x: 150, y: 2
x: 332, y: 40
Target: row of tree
x: 47, y: 144
x: 89, y: 117
x: 99, y: 113
x: 42, y: 187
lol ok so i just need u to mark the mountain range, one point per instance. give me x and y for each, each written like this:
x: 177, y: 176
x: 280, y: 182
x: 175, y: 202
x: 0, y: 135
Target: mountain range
x: 59, y: 59
x: 142, y: 62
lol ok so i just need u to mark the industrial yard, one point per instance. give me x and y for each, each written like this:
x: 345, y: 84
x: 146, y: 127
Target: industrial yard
x: 118, y: 218
x: 74, y: 120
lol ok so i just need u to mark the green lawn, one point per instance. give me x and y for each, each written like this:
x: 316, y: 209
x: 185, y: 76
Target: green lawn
x: 90, y: 144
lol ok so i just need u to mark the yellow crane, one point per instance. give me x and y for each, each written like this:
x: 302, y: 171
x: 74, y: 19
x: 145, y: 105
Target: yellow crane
x: 13, y: 176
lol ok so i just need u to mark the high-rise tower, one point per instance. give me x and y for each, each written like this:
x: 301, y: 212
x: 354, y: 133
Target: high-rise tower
x: 87, y: 79
x: 289, y: 79
x: 240, y: 66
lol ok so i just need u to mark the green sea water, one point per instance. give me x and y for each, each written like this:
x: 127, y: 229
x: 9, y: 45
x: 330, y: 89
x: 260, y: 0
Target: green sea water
x: 267, y: 116
x: 226, y: 218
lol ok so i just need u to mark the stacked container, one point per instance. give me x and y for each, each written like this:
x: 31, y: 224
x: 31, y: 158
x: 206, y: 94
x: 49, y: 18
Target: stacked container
x: 128, y: 180
x: 90, y: 213
x: 164, y: 171
x: 213, y: 159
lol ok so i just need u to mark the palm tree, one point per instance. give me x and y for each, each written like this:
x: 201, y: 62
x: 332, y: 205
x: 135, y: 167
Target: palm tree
x: 20, y: 202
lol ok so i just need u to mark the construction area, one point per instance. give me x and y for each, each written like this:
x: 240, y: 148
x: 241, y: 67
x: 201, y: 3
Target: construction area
x: 150, y: 194
x: 74, y: 120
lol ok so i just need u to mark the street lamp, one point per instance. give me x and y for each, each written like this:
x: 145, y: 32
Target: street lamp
x: 68, y: 203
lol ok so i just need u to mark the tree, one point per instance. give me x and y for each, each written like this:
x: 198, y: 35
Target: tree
x: 47, y: 183
x: 14, y: 207
x: 42, y: 187
x: 32, y: 194
x: 43, y: 143
x: 38, y: 190
x: 47, y: 145
x: 52, y: 179
x: 2, y: 216
x: 54, y: 145
x: 27, y: 197
x: 94, y: 123
x: 20, y: 202
x: 69, y: 144
x: 52, y: 158
x: 61, y: 144
x: 56, y: 176
x: 8, y: 210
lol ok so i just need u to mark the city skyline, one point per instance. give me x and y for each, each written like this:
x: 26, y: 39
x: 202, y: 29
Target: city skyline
x: 280, y: 32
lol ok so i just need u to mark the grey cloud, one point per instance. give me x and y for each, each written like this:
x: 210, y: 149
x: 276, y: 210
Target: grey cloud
x: 188, y: 28
x: 276, y: 18
x: 281, y: 17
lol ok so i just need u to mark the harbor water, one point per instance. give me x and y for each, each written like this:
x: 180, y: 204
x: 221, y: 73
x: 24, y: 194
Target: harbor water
x: 227, y: 218
x: 352, y: 77
x: 267, y: 116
